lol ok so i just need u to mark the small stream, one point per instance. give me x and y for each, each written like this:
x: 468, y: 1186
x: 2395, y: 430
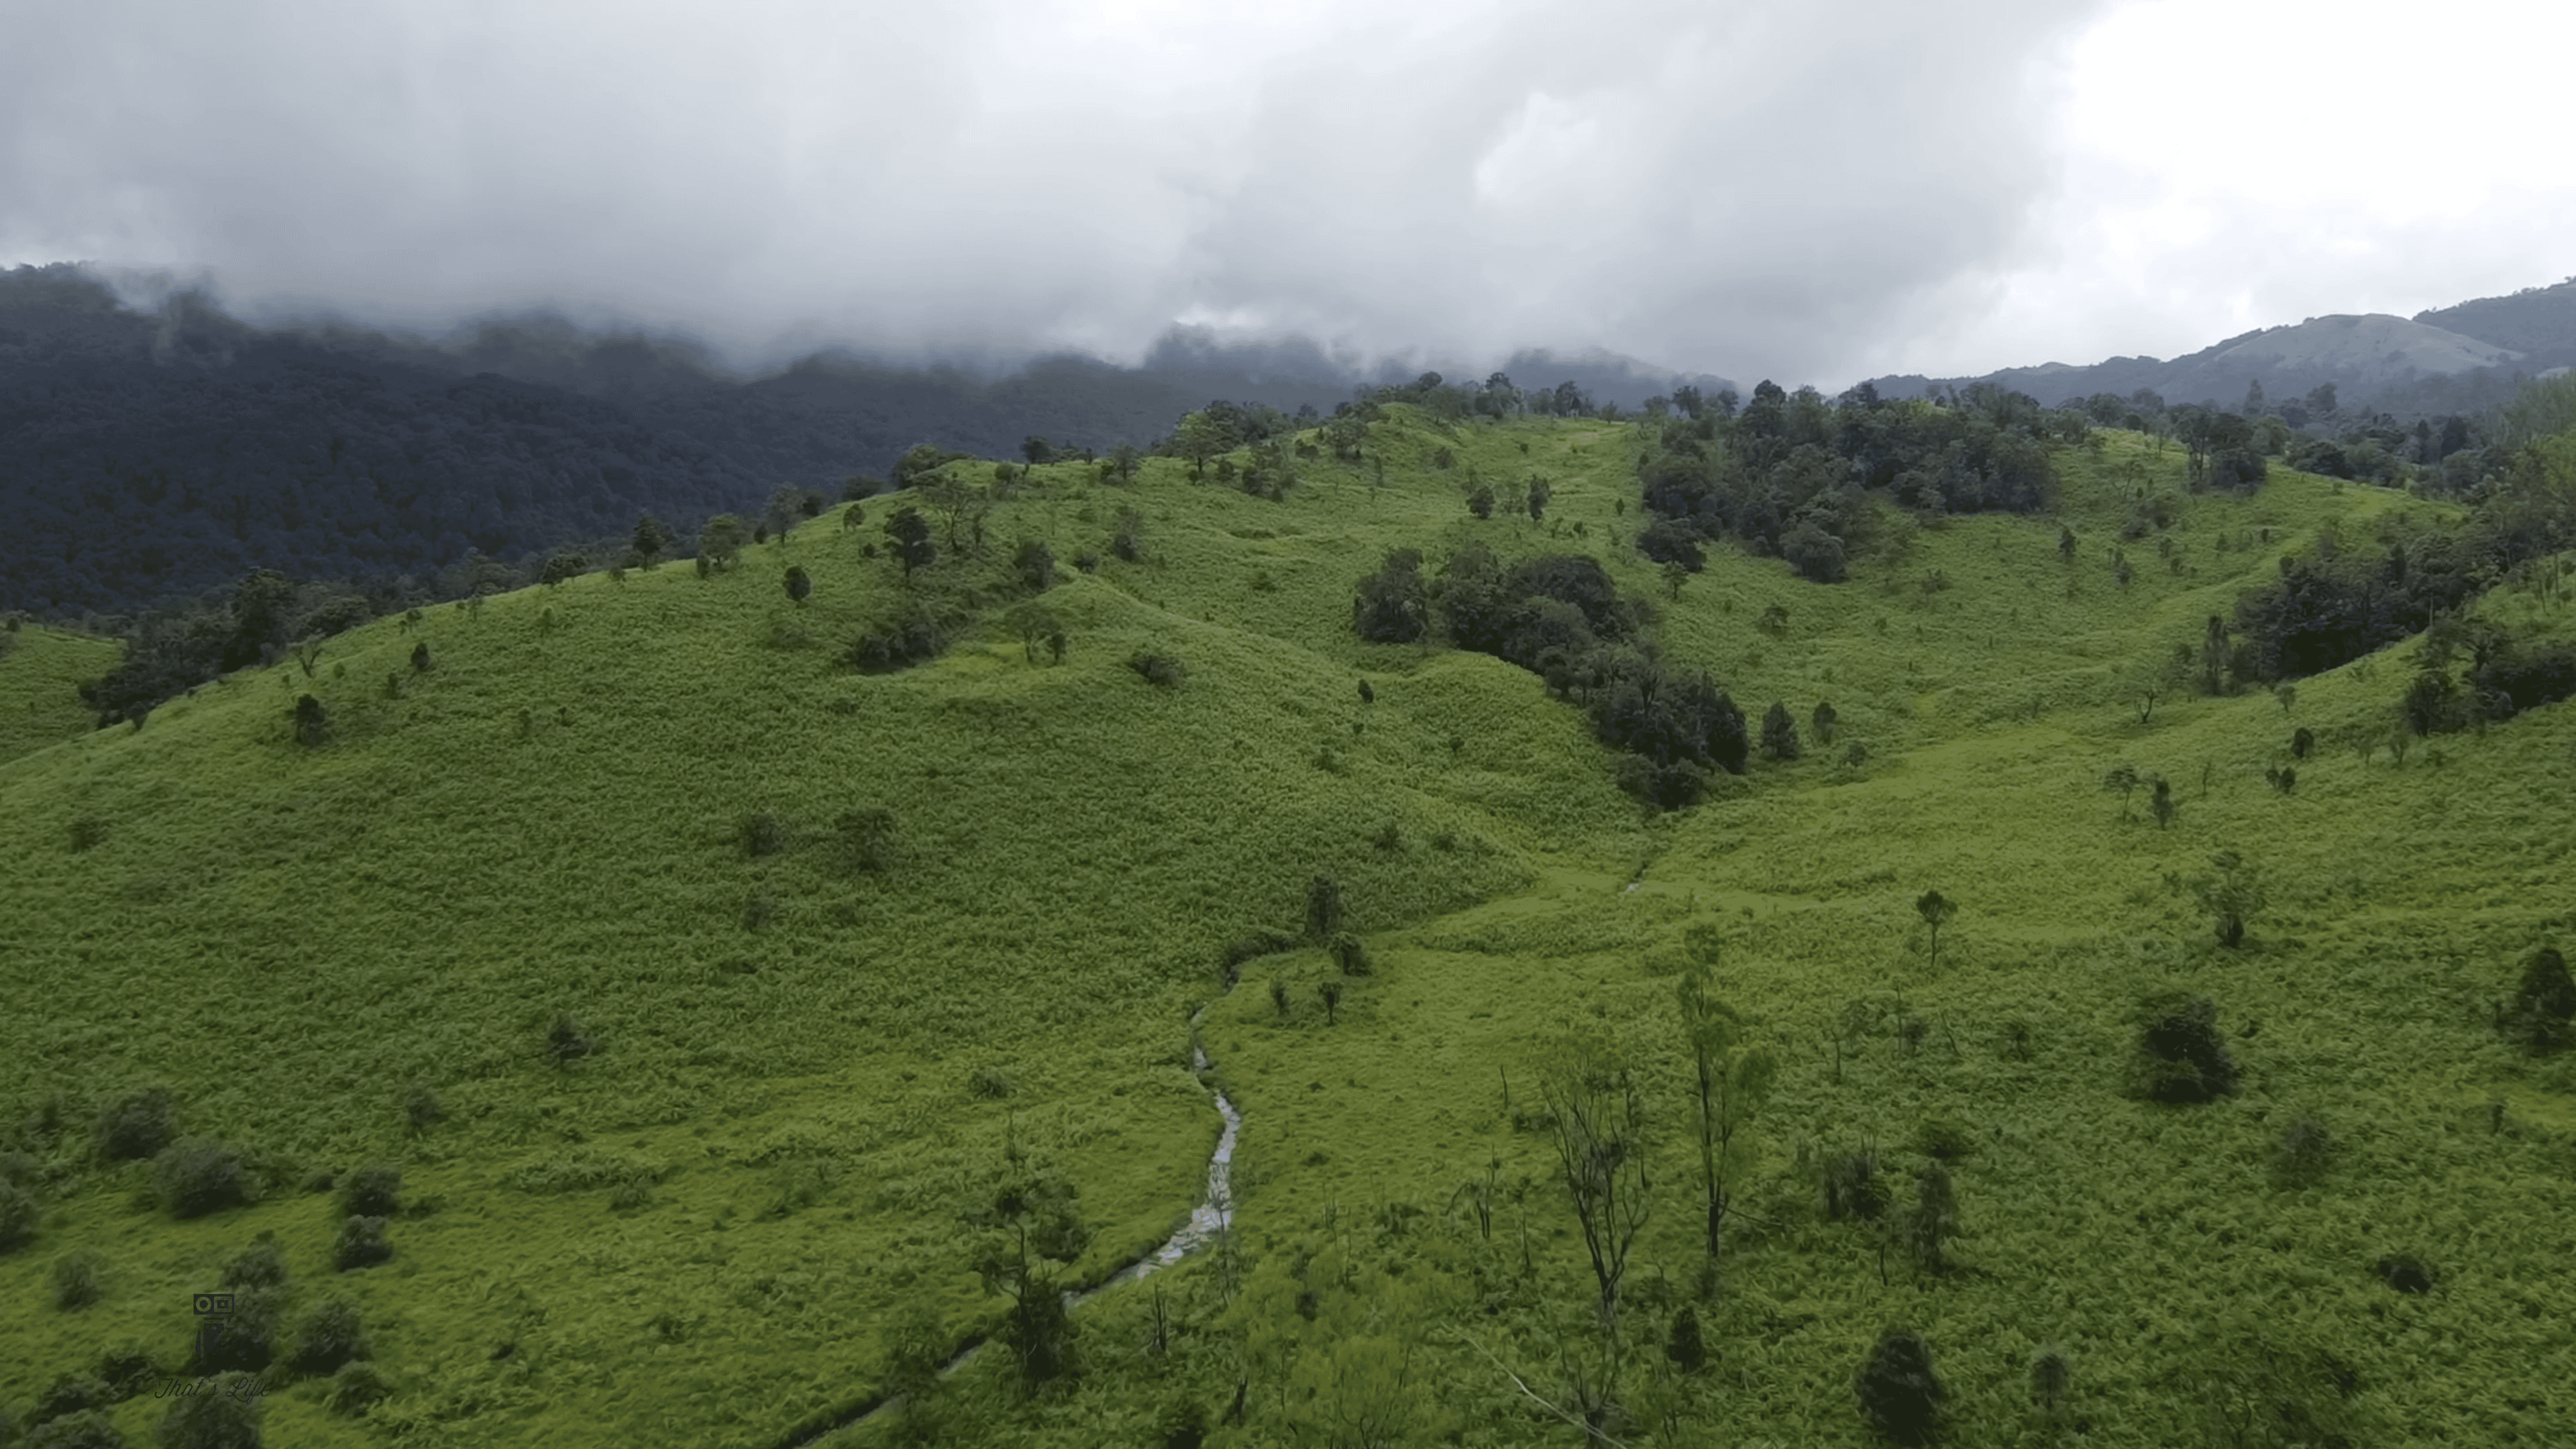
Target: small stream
x: 1211, y: 1217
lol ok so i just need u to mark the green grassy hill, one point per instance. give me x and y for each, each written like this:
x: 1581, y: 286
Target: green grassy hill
x: 630, y: 802
x: 41, y: 671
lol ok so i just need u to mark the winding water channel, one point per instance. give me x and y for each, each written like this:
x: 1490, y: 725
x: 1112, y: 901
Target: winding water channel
x: 1214, y: 1213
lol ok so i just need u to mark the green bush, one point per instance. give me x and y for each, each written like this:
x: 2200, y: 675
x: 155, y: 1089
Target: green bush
x: 568, y: 1039
x: 357, y: 1387
x: 221, y: 1414
x: 331, y: 1338
x: 1900, y: 1394
x: 2305, y: 1150
x: 421, y: 1107
x: 761, y: 833
x: 1163, y: 671
x: 76, y: 1281
x: 137, y: 1125
x: 2181, y: 1057
x: 195, y: 1176
x: 260, y: 1265
x: 361, y: 1244
x: 20, y: 1212
x: 374, y: 1191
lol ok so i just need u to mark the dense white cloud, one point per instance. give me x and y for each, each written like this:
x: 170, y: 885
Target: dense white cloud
x: 1808, y: 190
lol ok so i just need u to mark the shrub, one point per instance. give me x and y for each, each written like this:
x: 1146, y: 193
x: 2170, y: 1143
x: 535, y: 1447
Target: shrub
x: 2544, y: 1002
x: 2406, y: 1273
x: 2049, y: 1374
x: 76, y: 1281
x: 2180, y: 1055
x: 1088, y: 561
x: 1163, y: 671
x: 2304, y: 1150
x: 1351, y: 954
x: 421, y: 1107
x: 798, y: 583
x: 1323, y: 907
x: 2303, y: 741
x: 71, y: 1393
x: 258, y: 1266
x: 374, y: 1190
x: 128, y: 1369
x: 567, y: 1039
x: 990, y: 1083
x: 899, y: 643
x: 1852, y: 1187
x: 761, y: 833
x: 220, y: 1415
x: 136, y: 1125
x: 1480, y: 502
x: 19, y: 1214
x: 2233, y: 891
x: 1331, y: 991
x: 361, y: 1244
x: 88, y: 832
x: 1683, y: 1343
x: 1035, y: 564
x: 195, y: 1176
x: 312, y: 721
x: 867, y: 839
x: 1279, y: 996
x: 331, y: 1338
x: 1900, y: 1394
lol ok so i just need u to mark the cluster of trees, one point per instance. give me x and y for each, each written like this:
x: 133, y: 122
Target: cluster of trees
x: 1560, y: 617
x: 1786, y: 473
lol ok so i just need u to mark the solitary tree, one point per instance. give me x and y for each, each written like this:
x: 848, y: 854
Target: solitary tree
x: 910, y: 533
x: 720, y: 542
x: 1324, y: 907
x: 1933, y: 1220
x: 1731, y: 1088
x: 312, y: 722
x: 1936, y: 911
x: 1032, y: 1230
x: 2231, y: 892
x: 1779, y: 733
x: 799, y: 583
x: 1824, y: 722
x: 1481, y: 502
x: 1597, y: 1122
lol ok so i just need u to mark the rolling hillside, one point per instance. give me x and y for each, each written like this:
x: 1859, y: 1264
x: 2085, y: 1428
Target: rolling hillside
x: 704, y: 989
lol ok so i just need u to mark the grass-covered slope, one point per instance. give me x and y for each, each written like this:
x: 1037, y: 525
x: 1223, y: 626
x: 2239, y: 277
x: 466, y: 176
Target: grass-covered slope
x: 707, y: 1229
x: 41, y: 671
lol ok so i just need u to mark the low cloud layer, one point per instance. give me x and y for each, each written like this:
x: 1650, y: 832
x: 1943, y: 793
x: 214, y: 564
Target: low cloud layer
x: 1807, y: 190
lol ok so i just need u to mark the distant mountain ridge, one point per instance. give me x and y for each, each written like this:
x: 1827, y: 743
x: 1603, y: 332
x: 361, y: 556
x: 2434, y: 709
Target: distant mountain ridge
x: 2453, y: 357
x: 147, y: 455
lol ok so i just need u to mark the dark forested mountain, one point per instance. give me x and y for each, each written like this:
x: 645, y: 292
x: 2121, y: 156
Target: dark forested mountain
x: 146, y: 457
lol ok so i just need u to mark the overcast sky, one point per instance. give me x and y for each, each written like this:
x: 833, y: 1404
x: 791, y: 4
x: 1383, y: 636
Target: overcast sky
x: 1813, y: 190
